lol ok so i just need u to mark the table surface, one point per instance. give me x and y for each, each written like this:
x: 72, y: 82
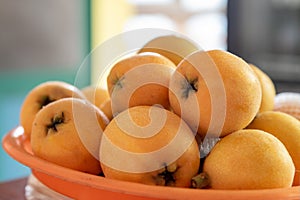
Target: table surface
x: 14, y: 189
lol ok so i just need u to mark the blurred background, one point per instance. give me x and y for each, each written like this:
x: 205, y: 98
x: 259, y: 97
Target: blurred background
x: 49, y: 40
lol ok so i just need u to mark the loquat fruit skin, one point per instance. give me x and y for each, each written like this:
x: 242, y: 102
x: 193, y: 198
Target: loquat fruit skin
x: 40, y: 96
x: 268, y: 89
x: 227, y: 92
x: 140, y: 79
x: 67, y: 132
x: 284, y: 127
x: 174, y: 47
x: 136, y: 148
x: 249, y: 159
x: 96, y: 95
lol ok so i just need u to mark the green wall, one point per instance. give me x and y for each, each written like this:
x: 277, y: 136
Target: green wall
x: 16, y: 83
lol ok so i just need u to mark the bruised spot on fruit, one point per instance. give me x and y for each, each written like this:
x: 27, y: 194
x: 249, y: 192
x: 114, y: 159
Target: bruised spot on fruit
x: 118, y: 82
x: 189, y: 85
x: 56, y: 120
x: 45, y: 100
x: 166, y: 177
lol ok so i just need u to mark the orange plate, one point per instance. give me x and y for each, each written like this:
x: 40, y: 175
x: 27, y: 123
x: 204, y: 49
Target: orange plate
x: 81, y: 185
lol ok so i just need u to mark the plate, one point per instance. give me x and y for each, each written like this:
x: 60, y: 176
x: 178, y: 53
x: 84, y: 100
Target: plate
x: 80, y: 185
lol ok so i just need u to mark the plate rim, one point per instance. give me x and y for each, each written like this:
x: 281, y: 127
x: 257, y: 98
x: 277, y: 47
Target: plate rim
x: 16, y: 144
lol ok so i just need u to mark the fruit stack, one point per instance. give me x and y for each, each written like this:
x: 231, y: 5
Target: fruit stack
x: 205, y: 119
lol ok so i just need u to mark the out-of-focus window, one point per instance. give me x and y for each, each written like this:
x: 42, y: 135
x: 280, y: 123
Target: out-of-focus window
x: 203, y: 21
